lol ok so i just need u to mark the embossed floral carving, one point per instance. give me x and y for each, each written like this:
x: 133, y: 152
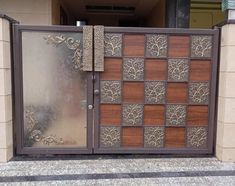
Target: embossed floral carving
x: 154, y: 137
x: 110, y: 137
x: 175, y: 115
x: 199, y: 93
x: 197, y: 137
x: 110, y: 91
x: 132, y: 114
x: 154, y: 92
x: 156, y: 45
x: 72, y: 44
x: 201, y: 46
x: 113, y: 45
x: 178, y: 69
x: 133, y: 69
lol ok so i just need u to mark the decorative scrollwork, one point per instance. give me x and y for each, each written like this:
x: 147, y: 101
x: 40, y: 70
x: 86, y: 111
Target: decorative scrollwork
x: 199, y: 93
x: 72, y: 44
x: 36, y: 121
x: 197, y: 137
x: 201, y: 46
x: 132, y: 114
x: 175, y: 115
x: 110, y: 137
x: 178, y: 69
x: 154, y: 137
x: 110, y: 91
x: 113, y: 45
x: 154, y: 92
x: 133, y: 69
x: 156, y: 45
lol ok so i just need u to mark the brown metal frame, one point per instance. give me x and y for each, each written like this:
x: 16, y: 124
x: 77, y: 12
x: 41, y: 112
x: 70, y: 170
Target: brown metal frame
x: 18, y: 94
x: 211, y: 104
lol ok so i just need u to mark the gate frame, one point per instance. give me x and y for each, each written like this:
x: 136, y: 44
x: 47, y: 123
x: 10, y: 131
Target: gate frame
x: 18, y: 95
x: 212, y: 121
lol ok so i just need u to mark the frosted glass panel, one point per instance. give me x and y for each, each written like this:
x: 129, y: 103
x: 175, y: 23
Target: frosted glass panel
x: 54, y: 90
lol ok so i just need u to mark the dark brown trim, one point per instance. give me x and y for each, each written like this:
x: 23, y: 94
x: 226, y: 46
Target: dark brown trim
x: 226, y: 22
x: 11, y: 20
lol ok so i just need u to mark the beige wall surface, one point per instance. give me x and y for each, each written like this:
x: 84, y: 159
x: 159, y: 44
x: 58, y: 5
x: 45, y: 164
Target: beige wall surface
x: 6, y: 136
x: 28, y: 11
x: 225, y: 144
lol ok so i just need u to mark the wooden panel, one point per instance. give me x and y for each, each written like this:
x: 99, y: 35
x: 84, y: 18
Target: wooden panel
x: 110, y: 114
x: 112, y: 69
x: 155, y: 69
x: 200, y: 70
x: 175, y: 137
x: 132, y: 137
x: 134, y: 45
x: 177, y: 92
x: 154, y: 115
x: 179, y: 46
x: 133, y: 92
x: 197, y: 115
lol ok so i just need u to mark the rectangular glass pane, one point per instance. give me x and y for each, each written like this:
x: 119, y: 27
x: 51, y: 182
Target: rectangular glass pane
x: 54, y: 90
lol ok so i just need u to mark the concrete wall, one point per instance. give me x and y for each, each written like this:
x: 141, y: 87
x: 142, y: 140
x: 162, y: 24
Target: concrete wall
x: 35, y: 12
x: 6, y: 137
x: 27, y: 11
x: 225, y: 145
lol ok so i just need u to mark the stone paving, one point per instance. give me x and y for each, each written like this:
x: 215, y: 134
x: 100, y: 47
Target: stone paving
x: 118, y: 170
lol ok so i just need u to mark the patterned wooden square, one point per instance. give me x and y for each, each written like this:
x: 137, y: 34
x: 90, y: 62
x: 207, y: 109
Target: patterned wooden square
x: 156, y: 45
x: 200, y: 70
x: 110, y: 137
x: 201, y: 46
x: 134, y: 45
x: 132, y: 137
x: 177, y: 92
x: 110, y: 114
x: 176, y: 115
x: 112, y: 69
x: 132, y: 114
x: 110, y: 91
x: 113, y: 45
x: 199, y: 93
x: 175, y: 137
x: 197, y: 137
x: 133, y: 92
x: 155, y: 69
x: 155, y: 92
x: 154, y: 137
x: 197, y: 115
x: 178, y: 69
x: 154, y: 115
x: 178, y: 46
x: 133, y: 69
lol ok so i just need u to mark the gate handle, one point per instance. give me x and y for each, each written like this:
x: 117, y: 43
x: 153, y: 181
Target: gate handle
x: 96, y: 91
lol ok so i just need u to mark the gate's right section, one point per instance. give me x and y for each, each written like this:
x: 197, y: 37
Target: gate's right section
x: 157, y: 91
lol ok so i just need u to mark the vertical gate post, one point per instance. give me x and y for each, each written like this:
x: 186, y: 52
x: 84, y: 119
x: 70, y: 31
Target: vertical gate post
x: 225, y: 144
x: 6, y: 125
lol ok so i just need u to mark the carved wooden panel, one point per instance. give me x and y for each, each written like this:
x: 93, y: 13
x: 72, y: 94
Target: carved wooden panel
x: 162, y: 84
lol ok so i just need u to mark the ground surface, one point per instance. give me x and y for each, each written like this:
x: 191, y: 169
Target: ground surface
x: 118, y: 170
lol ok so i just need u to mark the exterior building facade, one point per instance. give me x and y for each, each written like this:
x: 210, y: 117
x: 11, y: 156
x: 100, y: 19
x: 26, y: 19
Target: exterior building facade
x: 160, y: 14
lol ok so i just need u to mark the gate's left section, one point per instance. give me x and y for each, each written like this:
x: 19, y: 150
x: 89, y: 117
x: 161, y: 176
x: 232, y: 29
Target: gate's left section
x: 53, y: 80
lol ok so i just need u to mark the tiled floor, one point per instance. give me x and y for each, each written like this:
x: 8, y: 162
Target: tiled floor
x: 118, y: 171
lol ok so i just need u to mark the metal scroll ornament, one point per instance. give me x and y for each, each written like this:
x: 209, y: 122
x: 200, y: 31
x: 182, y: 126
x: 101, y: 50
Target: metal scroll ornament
x: 72, y: 44
x: 36, y: 123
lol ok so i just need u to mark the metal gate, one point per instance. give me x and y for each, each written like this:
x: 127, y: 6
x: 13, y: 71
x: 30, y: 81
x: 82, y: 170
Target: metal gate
x: 151, y: 90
